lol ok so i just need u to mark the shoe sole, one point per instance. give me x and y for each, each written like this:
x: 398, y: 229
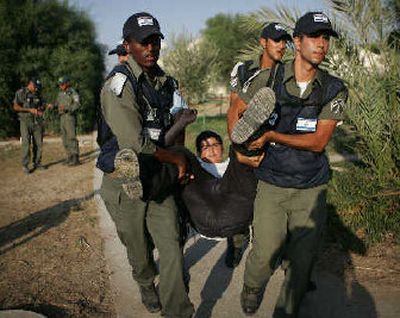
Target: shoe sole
x: 126, y: 165
x: 258, y: 111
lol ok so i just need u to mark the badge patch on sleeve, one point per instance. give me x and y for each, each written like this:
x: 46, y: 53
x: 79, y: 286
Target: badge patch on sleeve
x: 234, y: 79
x: 306, y: 124
x: 337, y: 106
x: 117, y: 83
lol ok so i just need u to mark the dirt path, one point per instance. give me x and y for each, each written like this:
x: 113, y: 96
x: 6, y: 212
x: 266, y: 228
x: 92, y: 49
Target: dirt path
x: 51, y: 258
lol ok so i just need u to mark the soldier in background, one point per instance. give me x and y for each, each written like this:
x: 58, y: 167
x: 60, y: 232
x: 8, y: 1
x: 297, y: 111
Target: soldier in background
x: 68, y: 103
x: 121, y: 53
x: 30, y: 107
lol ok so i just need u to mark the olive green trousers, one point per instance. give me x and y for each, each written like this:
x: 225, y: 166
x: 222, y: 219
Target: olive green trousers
x: 287, y: 223
x: 68, y: 132
x: 141, y: 226
x: 31, y: 131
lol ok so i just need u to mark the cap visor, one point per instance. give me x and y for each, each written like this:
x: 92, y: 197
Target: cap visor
x: 112, y: 52
x: 145, y: 35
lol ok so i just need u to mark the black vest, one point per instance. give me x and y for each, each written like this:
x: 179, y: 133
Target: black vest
x: 154, y: 105
x: 289, y: 167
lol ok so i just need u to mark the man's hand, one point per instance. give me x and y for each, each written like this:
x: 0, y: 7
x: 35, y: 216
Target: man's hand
x: 254, y: 161
x: 61, y: 109
x: 33, y: 111
x: 49, y: 106
x: 164, y: 155
x: 183, y: 176
x: 260, y: 142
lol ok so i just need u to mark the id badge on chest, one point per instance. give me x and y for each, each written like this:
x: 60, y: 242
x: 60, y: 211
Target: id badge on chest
x: 306, y: 124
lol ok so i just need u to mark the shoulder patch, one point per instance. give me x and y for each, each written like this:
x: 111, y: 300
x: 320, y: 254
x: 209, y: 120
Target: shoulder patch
x: 235, y: 69
x: 234, y: 74
x: 117, y: 83
x: 337, y: 106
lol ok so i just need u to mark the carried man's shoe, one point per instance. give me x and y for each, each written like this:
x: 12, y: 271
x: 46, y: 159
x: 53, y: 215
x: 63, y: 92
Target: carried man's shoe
x: 126, y: 165
x: 258, y: 110
x: 250, y: 300
x: 150, y: 298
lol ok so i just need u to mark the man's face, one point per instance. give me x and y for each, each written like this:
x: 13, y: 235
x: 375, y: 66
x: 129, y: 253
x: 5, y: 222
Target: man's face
x: 275, y: 50
x: 32, y: 87
x: 147, y: 52
x: 63, y: 86
x: 312, y: 48
x: 211, y: 150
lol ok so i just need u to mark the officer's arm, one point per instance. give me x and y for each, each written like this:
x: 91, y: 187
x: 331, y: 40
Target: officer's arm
x: 331, y: 114
x: 315, y: 141
x: 236, y: 108
x: 18, y: 106
x: 164, y: 155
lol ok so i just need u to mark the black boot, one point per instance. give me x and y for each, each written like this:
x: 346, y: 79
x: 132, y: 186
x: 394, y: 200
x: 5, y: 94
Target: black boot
x: 150, y: 298
x: 250, y: 299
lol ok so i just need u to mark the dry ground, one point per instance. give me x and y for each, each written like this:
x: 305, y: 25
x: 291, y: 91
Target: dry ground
x: 51, y: 258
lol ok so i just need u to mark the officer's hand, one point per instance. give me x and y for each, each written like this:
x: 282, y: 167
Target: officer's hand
x: 61, y: 109
x: 33, y: 111
x: 183, y: 176
x: 49, y: 106
x: 250, y: 161
x: 260, y: 142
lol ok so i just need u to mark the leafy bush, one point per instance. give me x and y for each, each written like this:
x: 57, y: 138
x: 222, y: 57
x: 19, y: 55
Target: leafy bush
x: 48, y: 39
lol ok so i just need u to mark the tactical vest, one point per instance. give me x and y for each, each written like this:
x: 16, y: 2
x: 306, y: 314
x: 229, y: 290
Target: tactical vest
x: 155, y: 109
x: 288, y: 167
x: 31, y: 100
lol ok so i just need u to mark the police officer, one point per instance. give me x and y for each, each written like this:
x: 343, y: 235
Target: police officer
x: 246, y: 78
x: 121, y: 53
x: 30, y: 107
x: 290, y: 206
x: 135, y: 115
x: 249, y: 76
x: 68, y: 103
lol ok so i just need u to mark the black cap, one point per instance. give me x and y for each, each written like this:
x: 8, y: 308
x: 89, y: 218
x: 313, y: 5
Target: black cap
x: 119, y: 50
x: 314, y: 23
x: 140, y: 26
x: 275, y: 31
x: 63, y: 79
x: 36, y: 82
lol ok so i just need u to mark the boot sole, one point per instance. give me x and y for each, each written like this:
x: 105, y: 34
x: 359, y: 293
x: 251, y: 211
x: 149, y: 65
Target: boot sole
x: 259, y: 109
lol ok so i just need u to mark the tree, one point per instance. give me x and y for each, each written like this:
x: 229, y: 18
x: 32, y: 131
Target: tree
x: 227, y: 34
x: 48, y: 39
x: 194, y: 63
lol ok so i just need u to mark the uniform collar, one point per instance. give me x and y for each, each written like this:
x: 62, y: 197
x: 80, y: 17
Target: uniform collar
x: 138, y: 71
x: 256, y: 64
x: 289, y: 73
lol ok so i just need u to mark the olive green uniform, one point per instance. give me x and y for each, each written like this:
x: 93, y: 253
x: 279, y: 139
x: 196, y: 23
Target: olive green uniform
x: 31, y: 126
x: 141, y: 224
x: 70, y: 100
x: 279, y: 213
